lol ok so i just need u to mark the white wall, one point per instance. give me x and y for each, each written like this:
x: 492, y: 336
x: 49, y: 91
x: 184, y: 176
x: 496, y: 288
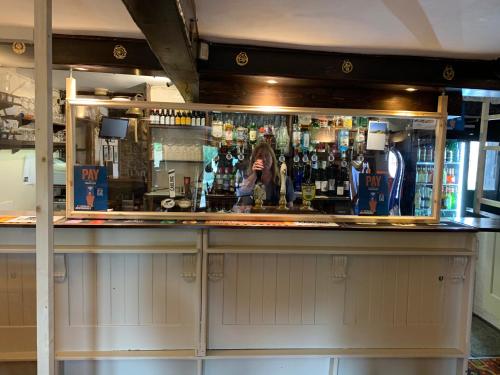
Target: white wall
x: 14, y: 194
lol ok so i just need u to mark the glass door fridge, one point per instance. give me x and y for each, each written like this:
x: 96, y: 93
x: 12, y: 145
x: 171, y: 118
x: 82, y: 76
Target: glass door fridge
x: 453, y: 179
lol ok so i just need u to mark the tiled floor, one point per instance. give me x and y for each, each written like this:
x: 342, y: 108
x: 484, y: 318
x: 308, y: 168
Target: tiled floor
x: 485, y: 339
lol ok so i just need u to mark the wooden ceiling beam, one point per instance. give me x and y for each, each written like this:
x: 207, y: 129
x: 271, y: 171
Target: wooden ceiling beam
x: 170, y: 29
x: 229, y: 59
x: 92, y: 53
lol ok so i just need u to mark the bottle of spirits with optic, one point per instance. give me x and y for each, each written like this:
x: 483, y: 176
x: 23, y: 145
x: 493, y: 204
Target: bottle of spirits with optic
x: 298, y: 172
x: 324, y: 178
x: 252, y: 134
x: 296, y: 136
x: 331, y: 179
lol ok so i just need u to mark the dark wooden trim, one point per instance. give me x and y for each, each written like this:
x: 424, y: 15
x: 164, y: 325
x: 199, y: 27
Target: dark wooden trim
x: 379, y: 69
x: 334, y: 95
x: 172, y: 38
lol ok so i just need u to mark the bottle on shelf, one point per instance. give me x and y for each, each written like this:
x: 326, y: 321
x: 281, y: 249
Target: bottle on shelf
x: 193, y: 118
x: 152, y: 116
x: 162, y: 117
x: 177, y: 117
x: 296, y: 135
x: 331, y: 179
x: 228, y: 132
x: 323, y: 178
x: 298, y: 172
x: 418, y: 200
x: 202, y: 118
x: 252, y: 134
x: 429, y: 154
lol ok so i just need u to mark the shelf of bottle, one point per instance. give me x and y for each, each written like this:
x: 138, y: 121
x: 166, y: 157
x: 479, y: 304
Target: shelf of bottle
x: 298, y: 194
x: 430, y: 183
x: 191, y: 127
x: 430, y: 163
x: 180, y: 161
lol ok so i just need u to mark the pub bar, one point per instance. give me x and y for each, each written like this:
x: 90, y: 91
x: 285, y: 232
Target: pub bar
x: 191, y: 188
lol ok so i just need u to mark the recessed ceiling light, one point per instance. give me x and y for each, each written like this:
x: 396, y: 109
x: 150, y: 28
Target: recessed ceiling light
x: 81, y: 68
x: 272, y: 81
x: 411, y: 89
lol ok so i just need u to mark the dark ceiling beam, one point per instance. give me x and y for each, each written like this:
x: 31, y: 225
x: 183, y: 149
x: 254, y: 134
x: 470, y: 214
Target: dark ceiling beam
x: 99, y: 53
x: 378, y: 69
x: 96, y: 54
x: 170, y: 29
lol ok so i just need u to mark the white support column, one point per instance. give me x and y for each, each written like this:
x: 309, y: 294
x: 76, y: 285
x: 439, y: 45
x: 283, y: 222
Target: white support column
x: 44, y: 192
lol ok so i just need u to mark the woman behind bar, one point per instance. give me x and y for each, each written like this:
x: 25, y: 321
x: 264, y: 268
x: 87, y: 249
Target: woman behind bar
x: 264, y: 160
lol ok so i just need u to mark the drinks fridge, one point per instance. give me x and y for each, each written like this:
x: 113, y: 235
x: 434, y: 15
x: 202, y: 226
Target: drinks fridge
x: 453, y: 179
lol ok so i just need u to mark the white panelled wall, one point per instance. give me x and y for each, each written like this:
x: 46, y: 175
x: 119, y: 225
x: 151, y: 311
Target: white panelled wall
x: 252, y: 302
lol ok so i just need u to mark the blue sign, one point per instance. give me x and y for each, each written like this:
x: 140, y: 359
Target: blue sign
x: 373, y: 194
x: 91, y: 188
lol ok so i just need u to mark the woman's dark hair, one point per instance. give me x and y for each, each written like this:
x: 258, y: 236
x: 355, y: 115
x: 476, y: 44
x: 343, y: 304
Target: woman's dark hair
x: 265, y: 147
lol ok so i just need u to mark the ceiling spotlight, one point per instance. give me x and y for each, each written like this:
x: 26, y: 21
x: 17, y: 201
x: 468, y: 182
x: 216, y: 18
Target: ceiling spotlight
x: 81, y: 68
x: 272, y: 81
x: 411, y: 89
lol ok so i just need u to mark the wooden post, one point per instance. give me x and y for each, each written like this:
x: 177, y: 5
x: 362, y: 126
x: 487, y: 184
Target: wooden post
x: 44, y: 184
x: 481, y: 161
x: 440, y: 146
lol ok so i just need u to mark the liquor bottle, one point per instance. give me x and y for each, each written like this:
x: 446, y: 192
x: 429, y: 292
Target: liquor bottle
x: 228, y: 132
x: 217, y: 130
x: 343, y: 140
x: 340, y: 184
x: 197, y: 119
x: 252, y: 134
x: 226, y: 180
x: 423, y: 153
x: 331, y: 179
x: 232, y: 181
x: 157, y: 116
x: 202, y: 118
x: 314, y: 131
x: 345, y: 177
x: 418, y: 201
x: 296, y: 136
x: 298, y: 172
x: 430, y: 154
x: 178, y: 118
x: 162, y: 117
x: 305, y: 137
x: 152, y: 116
x: 324, y: 178
x: 241, y: 135
x: 193, y: 119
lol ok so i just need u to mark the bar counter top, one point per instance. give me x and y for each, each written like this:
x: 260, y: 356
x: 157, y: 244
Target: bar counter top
x: 463, y: 225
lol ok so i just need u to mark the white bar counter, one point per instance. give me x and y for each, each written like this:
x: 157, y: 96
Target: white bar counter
x: 214, y: 300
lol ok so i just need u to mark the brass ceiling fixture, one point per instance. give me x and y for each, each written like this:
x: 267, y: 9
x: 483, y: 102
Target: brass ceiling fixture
x: 19, y: 48
x: 347, y: 66
x: 119, y: 52
x: 242, y: 59
x: 448, y: 73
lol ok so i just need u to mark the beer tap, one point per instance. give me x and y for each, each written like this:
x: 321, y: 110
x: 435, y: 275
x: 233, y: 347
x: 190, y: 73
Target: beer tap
x: 282, y: 202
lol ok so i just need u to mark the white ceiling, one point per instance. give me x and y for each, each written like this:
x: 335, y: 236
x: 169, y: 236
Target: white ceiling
x: 79, y: 17
x: 444, y: 28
